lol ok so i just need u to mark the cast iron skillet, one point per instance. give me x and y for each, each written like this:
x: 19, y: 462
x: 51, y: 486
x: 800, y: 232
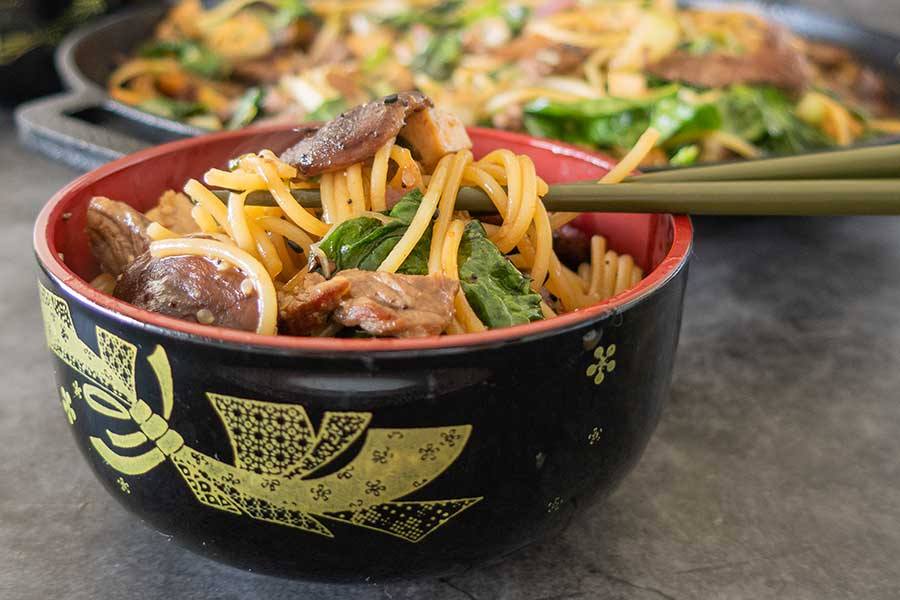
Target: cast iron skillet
x: 85, y: 128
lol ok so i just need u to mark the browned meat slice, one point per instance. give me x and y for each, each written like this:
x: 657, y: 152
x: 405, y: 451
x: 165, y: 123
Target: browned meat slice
x: 192, y: 288
x: 776, y: 63
x: 307, y: 308
x: 827, y: 55
x: 117, y: 233
x: 355, y: 135
x: 538, y: 57
x: 174, y: 212
x: 389, y: 304
x: 268, y: 69
x: 383, y: 304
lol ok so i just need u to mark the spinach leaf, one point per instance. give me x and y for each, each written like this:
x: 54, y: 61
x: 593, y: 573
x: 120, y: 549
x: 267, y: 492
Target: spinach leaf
x: 498, y: 293
x: 288, y: 12
x: 766, y: 117
x: 516, y: 16
x: 247, y: 108
x: 610, y: 121
x: 440, y: 56
x: 685, y: 156
x: 364, y: 242
x: 172, y: 109
x: 444, y: 15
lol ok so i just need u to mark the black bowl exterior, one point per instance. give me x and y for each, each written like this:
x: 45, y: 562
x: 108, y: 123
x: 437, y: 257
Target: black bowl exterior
x: 349, y: 466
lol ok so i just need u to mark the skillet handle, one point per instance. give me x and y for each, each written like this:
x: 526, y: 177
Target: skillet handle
x: 48, y: 126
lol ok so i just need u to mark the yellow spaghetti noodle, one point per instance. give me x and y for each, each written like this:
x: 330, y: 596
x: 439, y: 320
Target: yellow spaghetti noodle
x: 421, y: 220
x: 466, y: 317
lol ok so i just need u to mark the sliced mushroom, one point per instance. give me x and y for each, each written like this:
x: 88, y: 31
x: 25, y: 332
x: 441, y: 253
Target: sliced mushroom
x: 356, y: 135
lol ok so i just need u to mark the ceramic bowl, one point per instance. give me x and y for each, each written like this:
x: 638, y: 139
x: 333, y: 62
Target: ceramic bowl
x: 356, y: 459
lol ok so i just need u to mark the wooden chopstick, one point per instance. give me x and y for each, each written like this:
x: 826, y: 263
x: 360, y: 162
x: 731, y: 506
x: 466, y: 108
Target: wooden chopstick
x: 804, y: 197
x: 859, y: 181
x: 856, y: 163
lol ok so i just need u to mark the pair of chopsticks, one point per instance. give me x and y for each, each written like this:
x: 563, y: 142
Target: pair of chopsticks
x: 861, y: 181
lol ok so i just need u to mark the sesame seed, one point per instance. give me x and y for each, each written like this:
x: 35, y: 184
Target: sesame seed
x: 205, y: 316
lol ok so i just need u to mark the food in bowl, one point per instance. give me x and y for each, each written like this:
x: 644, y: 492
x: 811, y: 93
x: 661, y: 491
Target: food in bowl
x: 387, y: 254
x: 346, y: 459
x: 717, y: 84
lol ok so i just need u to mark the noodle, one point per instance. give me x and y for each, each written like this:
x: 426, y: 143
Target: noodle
x: 420, y: 221
x: 208, y: 202
x: 287, y: 230
x: 466, y: 317
x: 445, y: 208
x: 342, y: 206
x: 268, y: 254
x: 379, y: 176
x: 237, y: 219
x: 204, y: 220
x: 356, y: 190
x: 329, y: 206
x: 288, y: 267
x: 288, y: 204
x: 598, y: 250
x: 158, y: 232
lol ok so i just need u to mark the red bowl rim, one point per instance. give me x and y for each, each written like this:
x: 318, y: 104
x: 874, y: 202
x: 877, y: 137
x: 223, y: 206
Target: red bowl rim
x: 676, y: 258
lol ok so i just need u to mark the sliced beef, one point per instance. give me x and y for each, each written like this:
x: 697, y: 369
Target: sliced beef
x: 117, y: 233
x: 382, y: 304
x: 357, y: 134
x: 538, y: 57
x: 775, y: 63
x: 389, y: 304
x: 192, y: 288
x: 307, y: 308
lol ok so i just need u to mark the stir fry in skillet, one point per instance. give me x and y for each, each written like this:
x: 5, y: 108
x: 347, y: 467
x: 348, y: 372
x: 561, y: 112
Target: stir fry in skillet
x: 717, y: 85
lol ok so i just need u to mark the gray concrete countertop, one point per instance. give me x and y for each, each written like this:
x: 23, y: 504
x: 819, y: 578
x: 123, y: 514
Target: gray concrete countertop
x: 775, y: 471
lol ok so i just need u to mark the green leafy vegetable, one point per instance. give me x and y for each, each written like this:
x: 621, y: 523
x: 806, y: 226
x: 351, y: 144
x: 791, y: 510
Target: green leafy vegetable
x: 375, y: 60
x: 193, y: 57
x: 498, y: 293
x: 247, y: 108
x: 172, y: 109
x: 440, y: 56
x: 685, y: 156
x: 608, y: 122
x: 364, y: 242
x: 289, y: 11
x: 766, y: 117
x: 443, y: 15
x: 516, y: 16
